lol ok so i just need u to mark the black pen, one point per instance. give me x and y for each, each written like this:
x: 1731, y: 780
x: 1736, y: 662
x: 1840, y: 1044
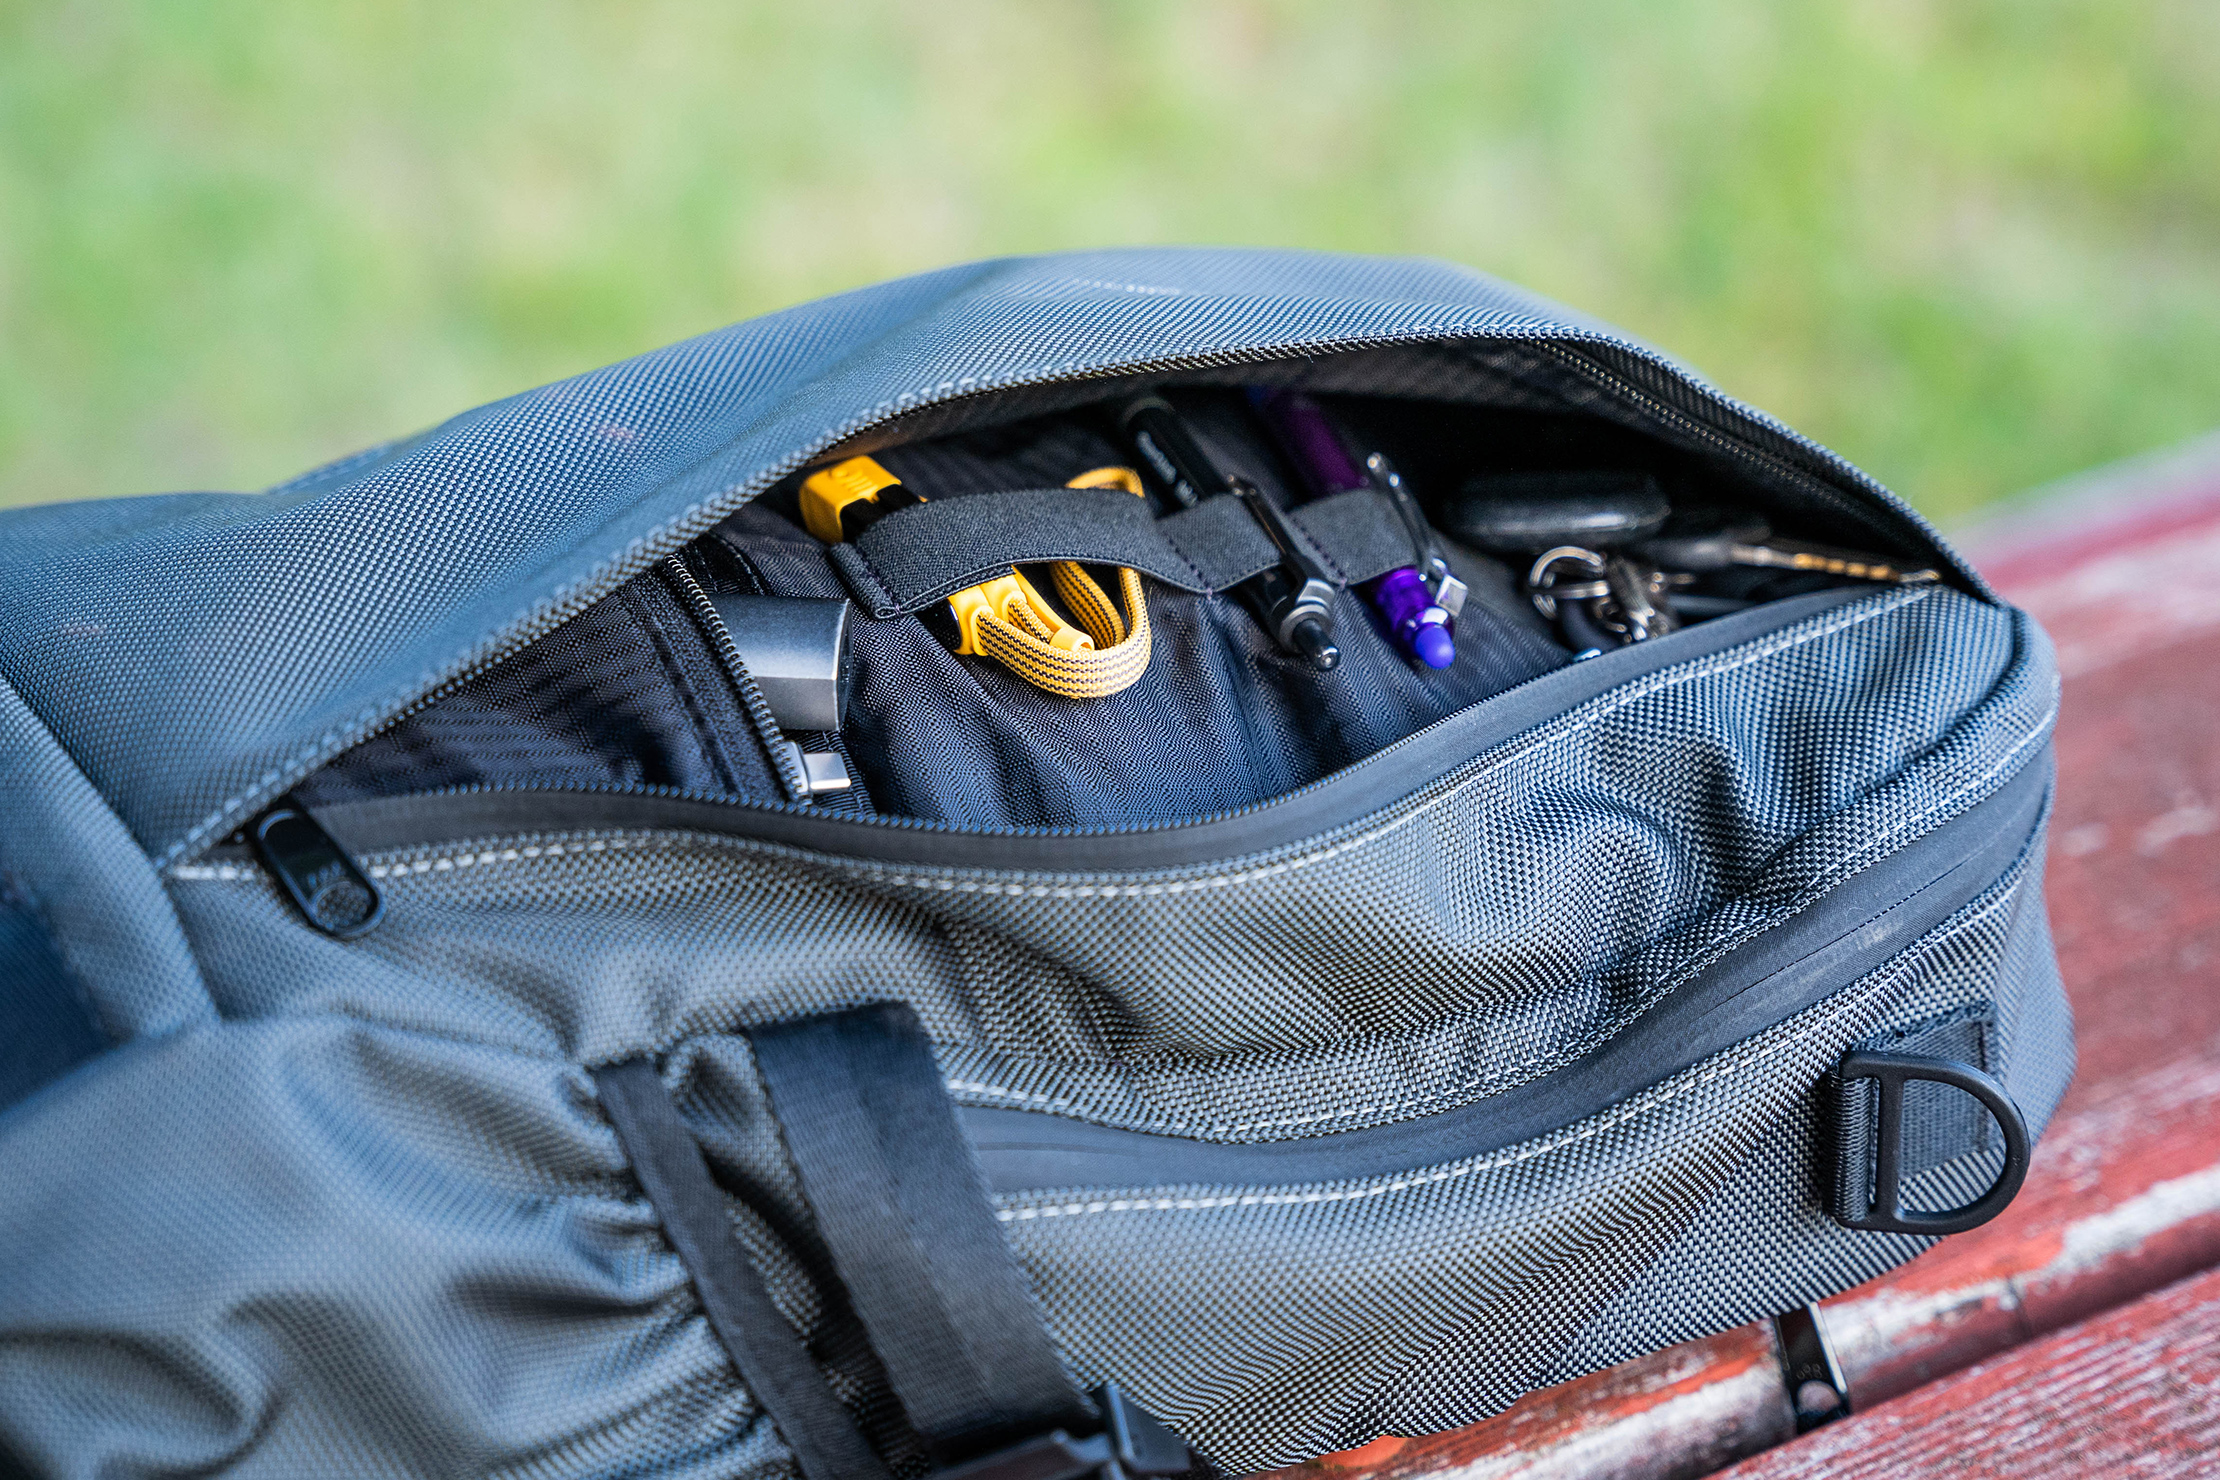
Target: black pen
x: 1292, y: 600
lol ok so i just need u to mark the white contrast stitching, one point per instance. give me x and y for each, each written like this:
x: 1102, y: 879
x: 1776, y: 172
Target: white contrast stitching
x: 1456, y: 1171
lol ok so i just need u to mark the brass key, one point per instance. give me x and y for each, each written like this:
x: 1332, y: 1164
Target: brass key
x: 1749, y: 542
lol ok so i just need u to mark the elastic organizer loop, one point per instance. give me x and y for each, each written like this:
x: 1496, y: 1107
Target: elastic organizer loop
x: 1006, y: 618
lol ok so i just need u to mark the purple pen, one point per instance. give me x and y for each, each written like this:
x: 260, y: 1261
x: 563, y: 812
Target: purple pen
x: 1421, y: 625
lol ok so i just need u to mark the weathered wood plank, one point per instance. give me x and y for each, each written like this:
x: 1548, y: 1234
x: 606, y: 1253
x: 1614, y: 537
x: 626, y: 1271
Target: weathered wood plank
x: 2134, y: 1391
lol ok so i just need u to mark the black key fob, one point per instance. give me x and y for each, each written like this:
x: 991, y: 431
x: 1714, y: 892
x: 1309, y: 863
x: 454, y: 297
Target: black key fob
x: 1521, y: 513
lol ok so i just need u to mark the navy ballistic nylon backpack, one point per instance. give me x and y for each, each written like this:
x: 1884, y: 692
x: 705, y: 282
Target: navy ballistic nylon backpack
x: 445, y: 1032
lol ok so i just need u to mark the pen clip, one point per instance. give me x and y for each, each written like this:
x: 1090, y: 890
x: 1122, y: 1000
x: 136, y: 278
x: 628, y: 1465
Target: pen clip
x: 1448, y: 592
x: 1276, y: 528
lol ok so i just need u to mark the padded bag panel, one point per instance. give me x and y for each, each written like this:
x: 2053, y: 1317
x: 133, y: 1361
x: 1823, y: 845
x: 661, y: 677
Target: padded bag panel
x: 1422, y: 1322
x: 355, y: 1204
x: 1385, y: 1305
x: 333, y: 1277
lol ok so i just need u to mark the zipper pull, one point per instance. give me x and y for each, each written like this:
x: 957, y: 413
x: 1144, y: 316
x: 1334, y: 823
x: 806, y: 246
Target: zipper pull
x: 802, y: 773
x: 330, y: 890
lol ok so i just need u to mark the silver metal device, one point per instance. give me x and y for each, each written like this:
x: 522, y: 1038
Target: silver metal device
x: 823, y: 770
x: 796, y: 650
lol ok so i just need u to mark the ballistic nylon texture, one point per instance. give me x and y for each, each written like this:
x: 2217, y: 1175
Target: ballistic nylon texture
x: 1494, y: 926
x: 1328, y: 1313
x: 373, y: 1253
x: 353, y: 1208
x: 50, y: 1025
x: 448, y: 1212
x: 68, y: 861
x: 1490, y: 926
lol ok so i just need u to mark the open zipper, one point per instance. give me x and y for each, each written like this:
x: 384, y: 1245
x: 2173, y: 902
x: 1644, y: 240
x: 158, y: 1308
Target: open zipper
x: 1430, y: 757
x: 785, y: 756
x: 681, y: 532
x: 1855, y: 926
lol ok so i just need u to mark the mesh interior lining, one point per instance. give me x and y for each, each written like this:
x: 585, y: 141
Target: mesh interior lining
x: 625, y: 694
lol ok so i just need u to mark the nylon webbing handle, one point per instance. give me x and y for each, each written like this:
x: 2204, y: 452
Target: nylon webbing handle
x: 899, y: 1200
x: 773, y: 1362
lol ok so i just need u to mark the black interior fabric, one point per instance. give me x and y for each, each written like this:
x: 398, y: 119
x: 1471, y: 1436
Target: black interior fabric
x: 1221, y: 720
x: 1504, y: 405
x: 625, y: 694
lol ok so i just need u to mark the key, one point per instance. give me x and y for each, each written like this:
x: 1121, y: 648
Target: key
x: 1723, y: 541
x: 1637, y: 604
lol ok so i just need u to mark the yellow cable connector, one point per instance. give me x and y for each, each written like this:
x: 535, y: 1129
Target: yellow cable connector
x: 1007, y: 619
x: 826, y: 495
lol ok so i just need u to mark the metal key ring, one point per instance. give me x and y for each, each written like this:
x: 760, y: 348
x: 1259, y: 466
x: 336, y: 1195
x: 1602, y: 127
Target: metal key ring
x: 1544, y: 589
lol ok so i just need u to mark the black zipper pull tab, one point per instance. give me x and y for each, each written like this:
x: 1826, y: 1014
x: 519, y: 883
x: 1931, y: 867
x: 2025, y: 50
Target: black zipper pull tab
x: 331, y: 891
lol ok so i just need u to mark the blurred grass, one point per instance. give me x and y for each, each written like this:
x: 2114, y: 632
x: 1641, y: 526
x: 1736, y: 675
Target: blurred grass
x: 1971, y: 246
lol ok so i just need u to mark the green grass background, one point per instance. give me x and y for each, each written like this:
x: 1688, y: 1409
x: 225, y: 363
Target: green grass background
x: 1972, y: 246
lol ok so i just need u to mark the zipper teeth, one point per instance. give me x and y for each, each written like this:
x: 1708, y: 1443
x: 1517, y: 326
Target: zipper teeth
x: 766, y: 724
x: 1738, y: 448
x: 686, y: 529
x: 1385, y: 755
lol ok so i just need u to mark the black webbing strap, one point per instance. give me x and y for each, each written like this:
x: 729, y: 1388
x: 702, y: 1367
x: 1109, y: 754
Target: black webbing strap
x: 914, y: 557
x: 770, y: 1355
x: 898, y: 1198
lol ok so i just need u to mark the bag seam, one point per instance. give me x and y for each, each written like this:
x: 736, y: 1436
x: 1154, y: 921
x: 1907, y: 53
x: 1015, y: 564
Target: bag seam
x: 1834, y: 1010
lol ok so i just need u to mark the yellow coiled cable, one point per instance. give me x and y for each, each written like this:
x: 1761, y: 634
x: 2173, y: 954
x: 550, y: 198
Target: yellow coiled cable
x: 1006, y: 619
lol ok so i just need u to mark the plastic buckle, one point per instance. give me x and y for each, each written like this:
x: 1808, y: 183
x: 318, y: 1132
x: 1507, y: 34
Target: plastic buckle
x: 826, y: 496
x: 1886, y: 1213
x: 840, y: 501
x: 1809, y: 1370
x: 1131, y: 1445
